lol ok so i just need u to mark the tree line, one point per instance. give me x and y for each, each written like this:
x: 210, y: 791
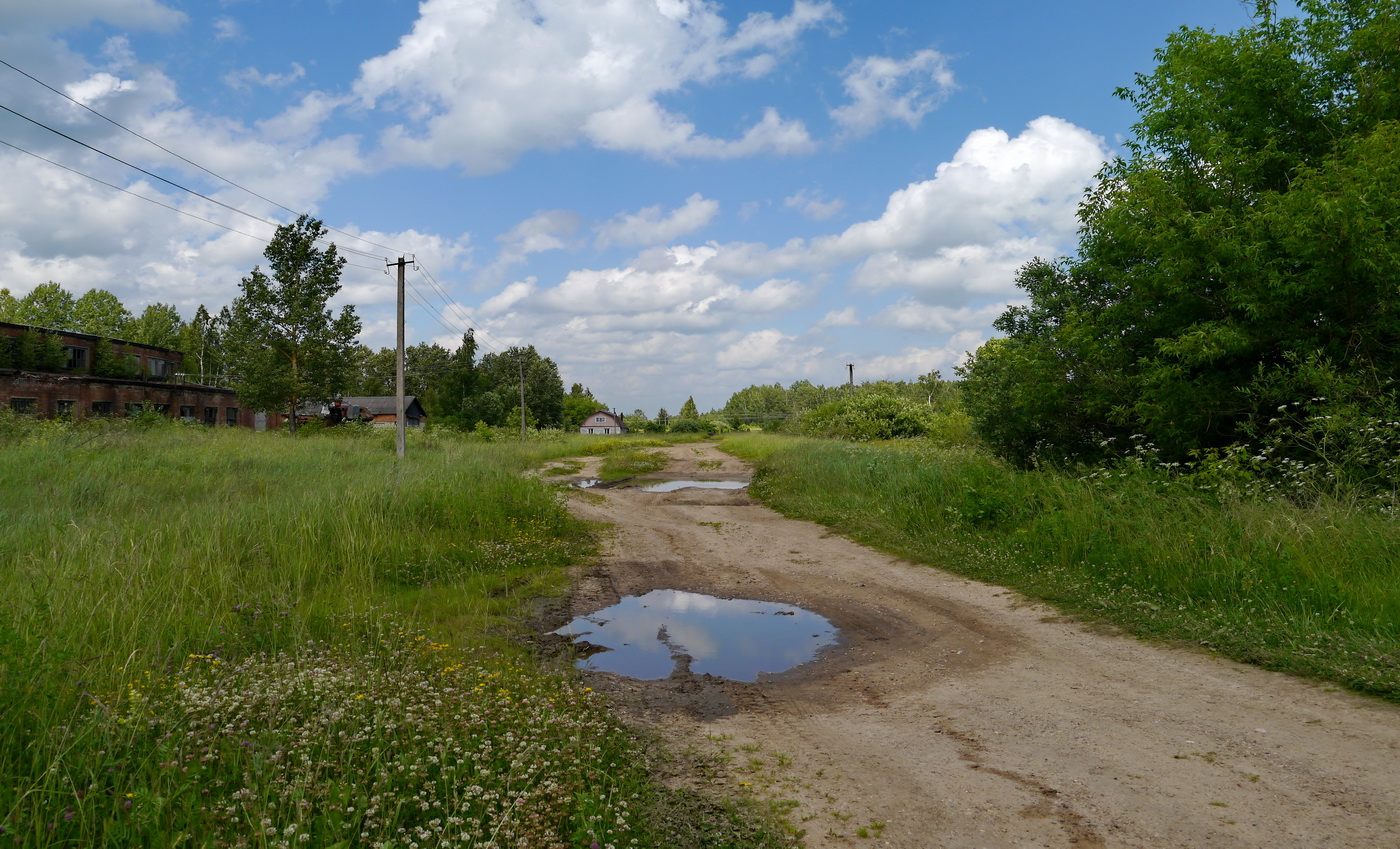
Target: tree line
x: 281, y: 347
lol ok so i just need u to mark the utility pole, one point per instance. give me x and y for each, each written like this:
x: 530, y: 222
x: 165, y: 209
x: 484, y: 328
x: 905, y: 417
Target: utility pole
x: 520, y: 358
x: 851, y: 377
x: 401, y: 426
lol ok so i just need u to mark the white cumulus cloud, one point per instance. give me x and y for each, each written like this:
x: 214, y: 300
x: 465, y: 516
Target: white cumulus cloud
x: 650, y: 226
x: 882, y: 89
x: 481, y: 81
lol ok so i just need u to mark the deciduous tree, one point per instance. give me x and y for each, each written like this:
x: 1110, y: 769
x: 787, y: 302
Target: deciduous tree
x: 283, y: 342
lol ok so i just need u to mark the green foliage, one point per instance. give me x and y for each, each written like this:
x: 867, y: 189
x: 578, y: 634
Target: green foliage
x: 118, y: 660
x: 688, y: 410
x: 37, y: 350
x: 281, y: 339
x: 579, y: 404
x: 46, y: 305
x: 101, y: 313
x: 868, y: 416
x: 686, y: 424
x: 159, y: 325
x: 201, y: 341
x: 544, y: 391
x: 106, y: 362
x: 1246, y: 246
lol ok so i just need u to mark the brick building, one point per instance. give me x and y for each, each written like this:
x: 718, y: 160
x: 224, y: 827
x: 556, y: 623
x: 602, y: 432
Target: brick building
x: 51, y: 373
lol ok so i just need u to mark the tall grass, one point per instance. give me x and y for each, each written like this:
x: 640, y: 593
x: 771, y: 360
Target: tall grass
x: 1310, y: 586
x: 212, y: 637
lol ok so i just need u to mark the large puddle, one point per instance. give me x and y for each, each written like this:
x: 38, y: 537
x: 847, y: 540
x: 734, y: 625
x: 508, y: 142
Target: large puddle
x: 672, y: 486
x: 650, y: 636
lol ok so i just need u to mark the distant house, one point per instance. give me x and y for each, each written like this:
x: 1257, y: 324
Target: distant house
x: 602, y: 421
x: 383, y: 409
x: 48, y: 372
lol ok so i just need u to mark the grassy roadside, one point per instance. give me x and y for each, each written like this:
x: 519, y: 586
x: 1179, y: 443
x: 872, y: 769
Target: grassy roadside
x: 1312, y: 589
x: 214, y: 637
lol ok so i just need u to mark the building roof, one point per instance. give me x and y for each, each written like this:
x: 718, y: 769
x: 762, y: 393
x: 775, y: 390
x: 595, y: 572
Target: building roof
x: 90, y: 337
x: 383, y: 405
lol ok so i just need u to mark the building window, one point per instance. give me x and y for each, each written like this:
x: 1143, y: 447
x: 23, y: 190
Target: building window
x: 590, y: 430
x: 24, y: 406
x: 599, y: 419
x: 77, y: 358
x: 186, y: 411
x: 133, y: 408
x: 64, y: 407
x: 231, y: 416
x: 158, y: 369
x: 102, y: 408
x: 211, y: 415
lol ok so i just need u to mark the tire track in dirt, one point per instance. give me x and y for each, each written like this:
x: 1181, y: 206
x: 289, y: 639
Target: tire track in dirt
x: 956, y: 714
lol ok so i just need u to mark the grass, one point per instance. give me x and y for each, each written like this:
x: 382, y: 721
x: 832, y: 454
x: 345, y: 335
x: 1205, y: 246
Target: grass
x: 1308, y: 586
x: 210, y: 637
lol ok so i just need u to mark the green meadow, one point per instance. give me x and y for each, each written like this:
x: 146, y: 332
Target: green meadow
x: 211, y: 637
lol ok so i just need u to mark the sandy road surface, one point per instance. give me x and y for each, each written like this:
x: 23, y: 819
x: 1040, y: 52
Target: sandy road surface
x: 958, y: 715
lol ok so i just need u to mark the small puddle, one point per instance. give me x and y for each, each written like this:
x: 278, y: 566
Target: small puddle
x: 585, y: 484
x: 672, y: 486
x: 650, y: 636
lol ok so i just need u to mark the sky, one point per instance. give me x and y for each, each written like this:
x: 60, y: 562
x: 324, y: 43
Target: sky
x: 669, y: 198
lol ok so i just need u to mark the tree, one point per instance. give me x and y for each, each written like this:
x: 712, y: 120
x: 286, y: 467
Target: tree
x: 159, y: 325
x: 578, y: 405
x: 99, y: 312
x: 689, y: 410
x: 284, y: 344
x: 544, y: 391
x: 662, y: 420
x: 46, y: 305
x: 201, y: 341
x: 9, y: 307
x: 1241, y: 256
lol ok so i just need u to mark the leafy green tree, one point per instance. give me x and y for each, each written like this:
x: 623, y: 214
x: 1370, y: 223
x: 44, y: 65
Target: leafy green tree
x: 9, y: 307
x: 1243, y: 249
x: 99, y: 312
x: 662, y: 420
x: 47, y: 305
x: 455, y: 389
x: 40, y: 351
x: 578, y: 405
x: 544, y: 390
x: 201, y: 341
x: 159, y: 325
x: 283, y: 342
x: 689, y: 410
x: 638, y: 421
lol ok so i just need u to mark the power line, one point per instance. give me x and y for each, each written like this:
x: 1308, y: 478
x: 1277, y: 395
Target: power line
x: 182, y: 158
x: 133, y: 194
x: 156, y: 176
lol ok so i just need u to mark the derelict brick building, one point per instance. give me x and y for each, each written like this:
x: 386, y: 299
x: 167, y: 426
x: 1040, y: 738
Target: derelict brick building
x: 144, y: 376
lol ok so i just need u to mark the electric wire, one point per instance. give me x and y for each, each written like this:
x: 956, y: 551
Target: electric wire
x: 182, y: 158
x: 452, y: 307
x: 170, y: 182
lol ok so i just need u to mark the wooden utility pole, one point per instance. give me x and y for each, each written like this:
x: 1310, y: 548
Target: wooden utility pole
x: 851, y: 377
x: 401, y: 425
x: 521, y: 360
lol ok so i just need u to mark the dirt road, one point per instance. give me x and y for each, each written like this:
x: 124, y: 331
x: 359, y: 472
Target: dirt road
x: 956, y: 714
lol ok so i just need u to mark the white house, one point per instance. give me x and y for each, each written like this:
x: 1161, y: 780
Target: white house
x: 602, y: 421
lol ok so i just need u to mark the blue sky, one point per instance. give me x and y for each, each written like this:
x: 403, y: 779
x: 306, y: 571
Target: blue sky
x: 667, y: 197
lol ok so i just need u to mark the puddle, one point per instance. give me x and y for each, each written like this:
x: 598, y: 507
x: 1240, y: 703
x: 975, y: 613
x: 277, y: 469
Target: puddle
x: 649, y: 636
x: 672, y: 486
x: 585, y: 484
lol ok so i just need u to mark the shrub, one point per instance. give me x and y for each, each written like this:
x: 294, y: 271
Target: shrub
x: 869, y: 416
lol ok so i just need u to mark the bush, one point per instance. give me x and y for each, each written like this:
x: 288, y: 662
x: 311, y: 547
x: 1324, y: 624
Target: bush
x: 869, y: 416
